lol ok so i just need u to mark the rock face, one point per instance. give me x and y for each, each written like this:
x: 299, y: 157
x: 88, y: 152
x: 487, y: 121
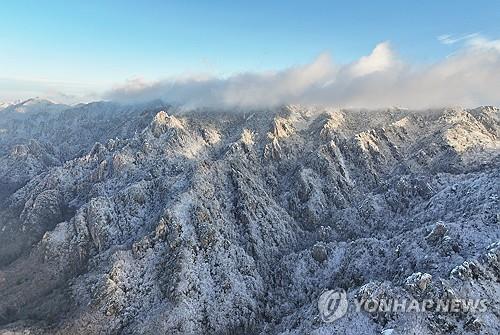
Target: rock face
x: 153, y: 220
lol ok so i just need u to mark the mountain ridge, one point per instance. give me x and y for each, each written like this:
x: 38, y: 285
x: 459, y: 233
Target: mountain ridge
x: 181, y: 221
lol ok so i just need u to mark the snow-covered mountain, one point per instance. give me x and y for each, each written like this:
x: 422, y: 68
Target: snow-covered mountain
x: 31, y: 106
x: 151, y: 219
x: 4, y: 105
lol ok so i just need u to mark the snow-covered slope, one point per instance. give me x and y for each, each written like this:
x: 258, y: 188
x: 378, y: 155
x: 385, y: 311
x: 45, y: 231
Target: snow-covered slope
x: 153, y: 220
x: 30, y: 106
x: 4, y: 105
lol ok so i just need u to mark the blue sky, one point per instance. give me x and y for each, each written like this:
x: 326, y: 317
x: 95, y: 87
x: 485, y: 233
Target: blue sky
x: 92, y: 45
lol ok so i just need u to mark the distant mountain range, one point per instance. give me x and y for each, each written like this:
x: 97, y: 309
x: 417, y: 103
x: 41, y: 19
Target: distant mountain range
x: 34, y: 105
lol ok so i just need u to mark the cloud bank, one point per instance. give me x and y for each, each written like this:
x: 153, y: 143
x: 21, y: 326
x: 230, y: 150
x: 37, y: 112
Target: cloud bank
x: 468, y: 77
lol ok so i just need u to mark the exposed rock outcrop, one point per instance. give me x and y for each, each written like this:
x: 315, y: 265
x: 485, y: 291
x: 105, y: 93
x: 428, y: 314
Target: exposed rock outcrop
x: 149, y: 219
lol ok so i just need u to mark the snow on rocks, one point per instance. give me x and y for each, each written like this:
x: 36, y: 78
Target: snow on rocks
x: 157, y: 221
x: 418, y: 281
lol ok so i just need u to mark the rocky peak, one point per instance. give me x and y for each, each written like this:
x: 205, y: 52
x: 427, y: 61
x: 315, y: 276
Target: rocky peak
x: 197, y: 222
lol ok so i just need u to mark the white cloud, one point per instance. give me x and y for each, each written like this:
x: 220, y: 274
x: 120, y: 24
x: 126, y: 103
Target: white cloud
x: 382, y: 58
x: 468, y: 77
x: 450, y: 39
x: 480, y: 42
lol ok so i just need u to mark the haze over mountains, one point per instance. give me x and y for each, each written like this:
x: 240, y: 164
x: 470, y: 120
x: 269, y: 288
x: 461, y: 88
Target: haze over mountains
x: 379, y: 79
x: 467, y: 76
x: 150, y: 218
